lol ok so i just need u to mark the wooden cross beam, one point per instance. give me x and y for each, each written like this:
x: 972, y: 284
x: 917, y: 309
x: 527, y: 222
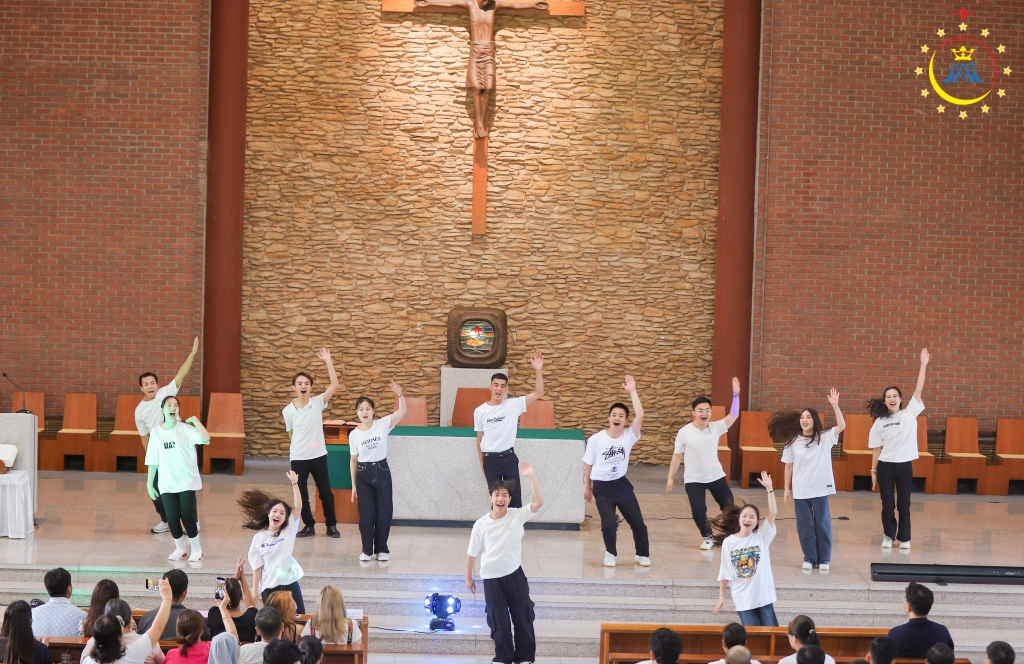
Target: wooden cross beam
x: 481, y: 14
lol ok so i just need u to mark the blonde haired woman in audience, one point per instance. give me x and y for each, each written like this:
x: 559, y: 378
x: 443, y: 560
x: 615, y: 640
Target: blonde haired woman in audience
x: 329, y: 623
x: 283, y: 601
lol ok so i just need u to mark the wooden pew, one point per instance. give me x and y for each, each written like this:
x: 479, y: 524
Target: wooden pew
x: 227, y: 430
x: 35, y: 403
x: 724, y: 451
x: 1009, y: 456
x: 538, y: 415
x: 466, y: 401
x: 76, y: 435
x: 962, y: 460
x: 757, y: 451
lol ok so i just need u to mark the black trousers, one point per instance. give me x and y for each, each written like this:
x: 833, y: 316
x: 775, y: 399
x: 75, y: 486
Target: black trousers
x: 373, y: 488
x: 510, y: 617
x: 293, y: 588
x: 695, y: 491
x: 898, y: 477
x: 504, y: 468
x: 158, y: 502
x: 181, y: 513
x: 619, y: 494
x: 318, y: 469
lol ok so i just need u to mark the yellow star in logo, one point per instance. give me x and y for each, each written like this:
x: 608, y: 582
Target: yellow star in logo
x: 1007, y: 71
x: 963, y: 115
x: 924, y: 93
x: 1001, y: 93
x: 1001, y: 48
x: 924, y: 49
x: 984, y: 108
x: 984, y: 33
x: 941, y: 32
x: 940, y: 108
x: 963, y: 27
x: 918, y: 71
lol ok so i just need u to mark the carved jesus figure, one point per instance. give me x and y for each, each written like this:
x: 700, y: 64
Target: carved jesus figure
x: 481, y: 72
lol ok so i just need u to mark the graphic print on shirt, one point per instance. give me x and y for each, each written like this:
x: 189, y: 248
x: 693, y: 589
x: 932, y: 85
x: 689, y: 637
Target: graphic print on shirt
x: 613, y: 454
x: 274, y: 543
x: 370, y: 444
x: 744, y: 561
x: 495, y: 419
x: 168, y: 444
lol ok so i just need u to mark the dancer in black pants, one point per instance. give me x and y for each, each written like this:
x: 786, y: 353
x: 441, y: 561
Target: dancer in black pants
x: 893, y: 441
x: 697, y: 447
x: 604, y: 473
x: 371, y: 477
x: 498, y: 539
x: 303, y: 419
x: 496, y: 422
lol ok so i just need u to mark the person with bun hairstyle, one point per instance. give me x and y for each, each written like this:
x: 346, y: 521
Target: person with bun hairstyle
x: 270, y: 554
x: 746, y: 563
x: 189, y: 630
x: 119, y: 609
x: 312, y: 650
x: 108, y: 633
x: 808, y: 458
x: 802, y: 633
x: 893, y: 441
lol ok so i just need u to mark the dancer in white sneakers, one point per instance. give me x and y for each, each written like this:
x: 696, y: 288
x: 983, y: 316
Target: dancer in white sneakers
x: 270, y: 554
x: 172, y: 453
x: 697, y: 447
x: 893, y: 441
x: 604, y: 474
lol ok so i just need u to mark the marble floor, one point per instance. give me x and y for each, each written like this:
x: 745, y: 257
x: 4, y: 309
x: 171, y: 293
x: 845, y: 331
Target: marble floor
x: 104, y: 519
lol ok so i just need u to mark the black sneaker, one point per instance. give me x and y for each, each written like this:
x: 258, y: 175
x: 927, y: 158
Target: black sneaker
x: 306, y: 532
x: 332, y: 531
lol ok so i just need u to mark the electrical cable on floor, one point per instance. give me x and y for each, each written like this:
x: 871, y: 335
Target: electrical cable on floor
x: 405, y: 631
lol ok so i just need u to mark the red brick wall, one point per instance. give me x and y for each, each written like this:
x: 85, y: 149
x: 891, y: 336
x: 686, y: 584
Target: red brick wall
x: 102, y: 138
x: 882, y: 225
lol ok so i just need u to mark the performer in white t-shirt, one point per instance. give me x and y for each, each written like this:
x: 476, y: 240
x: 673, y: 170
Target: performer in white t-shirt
x: 893, y: 440
x: 371, y: 476
x: 697, y: 448
x: 605, y: 462
x: 270, y: 554
x: 303, y: 419
x: 496, y: 422
x: 746, y: 563
x: 497, y: 538
x: 807, y: 453
x: 172, y: 452
x: 148, y: 416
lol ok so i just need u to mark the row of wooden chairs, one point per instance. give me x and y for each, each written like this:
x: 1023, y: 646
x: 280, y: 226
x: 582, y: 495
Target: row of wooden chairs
x: 78, y: 433
x: 961, y: 458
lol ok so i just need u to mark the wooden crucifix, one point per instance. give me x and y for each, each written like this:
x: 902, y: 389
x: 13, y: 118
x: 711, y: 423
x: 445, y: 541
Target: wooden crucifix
x: 480, y: 74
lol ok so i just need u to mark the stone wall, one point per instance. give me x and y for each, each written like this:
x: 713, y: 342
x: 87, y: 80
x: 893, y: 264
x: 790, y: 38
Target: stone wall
x: 601, y: 236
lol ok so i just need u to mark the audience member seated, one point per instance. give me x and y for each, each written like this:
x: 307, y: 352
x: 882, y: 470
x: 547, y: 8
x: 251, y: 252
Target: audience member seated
x: 312, y: 650
x: 940, y: 653
x: 801, y: 633
x: 224, y: 649
x: 189, y: 633
x: 58, y: 617
x: 268, y: 627
x: 999, y: 652
x: 283, y: 601
x: 120, y: 611
x: 915, y: 637
x: 179, y: 590
x: 881, y: 651
x: 104, y: 591
x: 245, y: 621
x: 329, y: 623
x: 280, y: 651
x: 738, y: 655
x: 17, y: 645
x: 108, y: 636
x: 665, y: 647
x: 733, y: 634
x: 810, y: 655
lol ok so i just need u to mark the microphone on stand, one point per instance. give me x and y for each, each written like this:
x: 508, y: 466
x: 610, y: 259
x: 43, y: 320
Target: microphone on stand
x: 23, y: 409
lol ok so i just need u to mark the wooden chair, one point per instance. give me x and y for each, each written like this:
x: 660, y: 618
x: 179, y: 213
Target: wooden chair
x: 924, y: 465
x: 1010, y: 456
x: 856, y: 452
x: 538, y: 415
x: 190, y: 406
x: 965, y: 462
x: 756, y: 447
x: 466, y: 401
x: 416, y: 413
x: 76, y: 435
x: 226, y: 425
x: 724, y: 451
x: 35, y: 402
x: 125, y: 440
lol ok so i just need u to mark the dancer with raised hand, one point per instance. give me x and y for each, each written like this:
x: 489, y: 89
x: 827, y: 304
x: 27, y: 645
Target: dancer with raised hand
x: 496, y: 423
x: 371, y: 476
x: 270, y: 554
x: 303, y: 419
x: 893, y: 441
x: 497, y: 538
x: 605, y: 463
x: 148, y: 416
x: 746, y: 564
x: 808, y: 458
x: 696, y: 447
x: 172, y: 455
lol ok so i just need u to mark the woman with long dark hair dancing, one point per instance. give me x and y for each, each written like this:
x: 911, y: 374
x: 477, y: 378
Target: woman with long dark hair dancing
x: 808, y: 458
x: 893, y: 440
x: 270, y: 554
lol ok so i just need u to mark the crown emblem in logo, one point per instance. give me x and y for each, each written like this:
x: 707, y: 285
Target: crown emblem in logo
x: 963, y: 54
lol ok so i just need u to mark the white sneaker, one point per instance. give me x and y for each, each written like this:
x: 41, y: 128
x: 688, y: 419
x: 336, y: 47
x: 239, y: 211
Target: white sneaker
x: 382, y: 557
x: 642, y: 561
x: 161, y: 527
x: 708, y: 543
x: 904, y: 545
x: 197, y: 549
x: 823, y: 567
x: 179, y: 550
x: 807, y: 565
x: 365, y: 558
x: 609, y: 560
x: 886, y: 542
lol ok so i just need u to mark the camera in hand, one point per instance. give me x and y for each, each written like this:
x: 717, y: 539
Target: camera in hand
x: 152, y: 584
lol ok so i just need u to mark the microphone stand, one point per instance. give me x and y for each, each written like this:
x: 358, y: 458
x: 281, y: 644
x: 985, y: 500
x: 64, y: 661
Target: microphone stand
x: 23, y: 409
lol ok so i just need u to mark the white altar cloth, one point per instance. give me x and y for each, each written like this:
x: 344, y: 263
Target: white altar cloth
x: 16, y: 504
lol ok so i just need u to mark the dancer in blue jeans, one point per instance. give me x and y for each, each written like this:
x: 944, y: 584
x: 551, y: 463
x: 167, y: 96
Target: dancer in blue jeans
x: 746, y: 563
x: 808, y: 458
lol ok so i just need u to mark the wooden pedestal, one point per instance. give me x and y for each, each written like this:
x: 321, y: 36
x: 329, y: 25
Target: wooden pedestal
x: 346, y: 510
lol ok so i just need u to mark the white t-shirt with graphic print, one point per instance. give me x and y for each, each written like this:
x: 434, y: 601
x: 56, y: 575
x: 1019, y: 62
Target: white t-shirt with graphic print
x: 747, y: 566
x: 370, y: 445
x: 609, y: 457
